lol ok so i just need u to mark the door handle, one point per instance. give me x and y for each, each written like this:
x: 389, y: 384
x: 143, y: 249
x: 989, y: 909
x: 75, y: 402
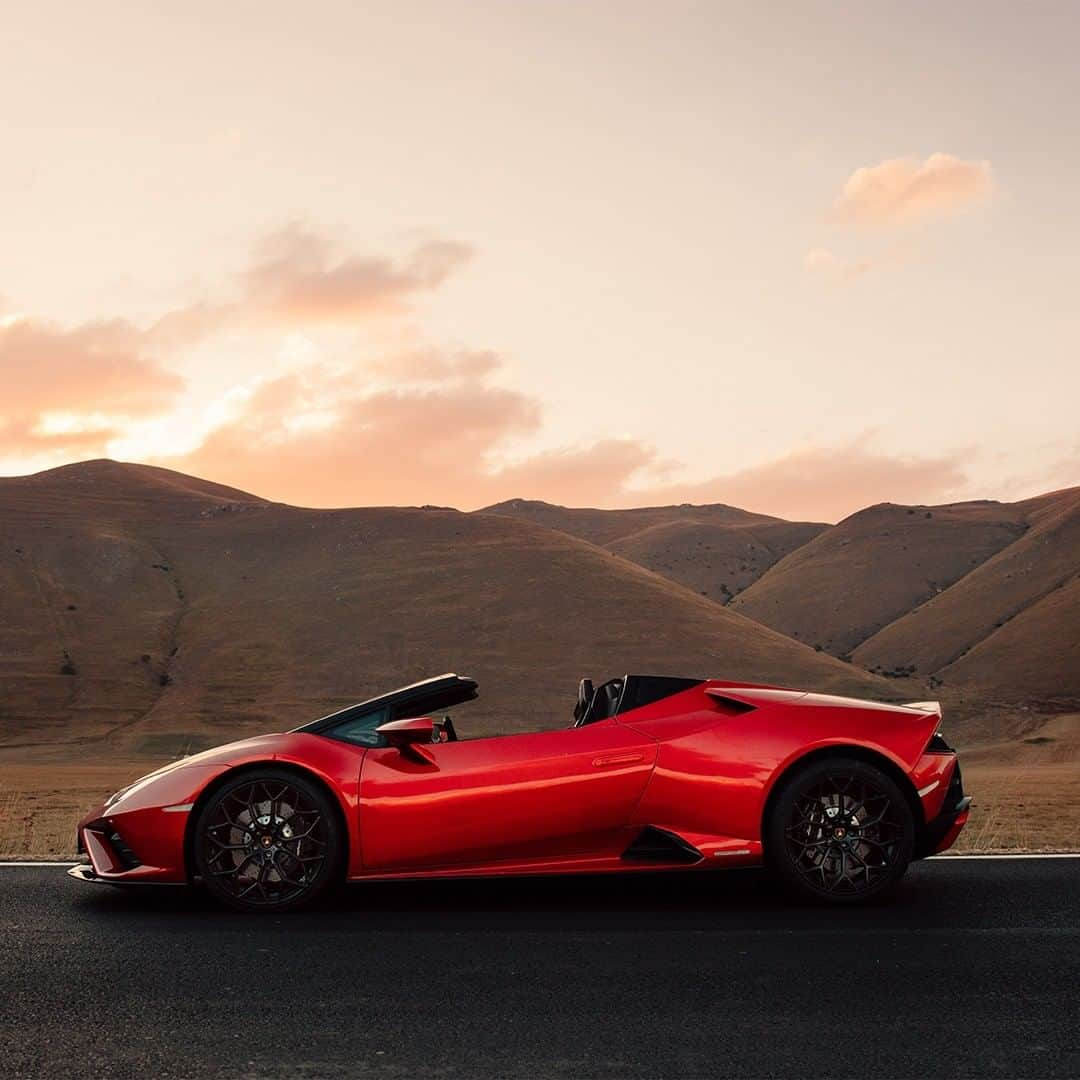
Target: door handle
x: 609, y: 760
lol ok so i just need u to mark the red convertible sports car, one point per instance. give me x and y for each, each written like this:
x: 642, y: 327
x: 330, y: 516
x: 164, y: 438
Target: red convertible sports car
x: 835, y: 795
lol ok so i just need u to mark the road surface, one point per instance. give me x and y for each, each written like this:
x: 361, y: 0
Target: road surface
x: 972, y: 971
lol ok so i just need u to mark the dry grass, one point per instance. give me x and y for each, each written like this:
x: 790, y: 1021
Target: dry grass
x: 715, y: 551
x: 1014, y: 808
x: 41, y: 805
x: 1025, y: 787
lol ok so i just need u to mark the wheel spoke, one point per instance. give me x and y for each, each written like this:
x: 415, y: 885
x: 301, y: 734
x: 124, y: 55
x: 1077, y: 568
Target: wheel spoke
x: 308, y: 831
x: 227, y: 847
x: 281, y: 874
x: 233, y: 871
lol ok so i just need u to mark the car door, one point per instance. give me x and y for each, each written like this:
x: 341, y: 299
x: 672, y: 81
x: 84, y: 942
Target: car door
x: 515, y: 797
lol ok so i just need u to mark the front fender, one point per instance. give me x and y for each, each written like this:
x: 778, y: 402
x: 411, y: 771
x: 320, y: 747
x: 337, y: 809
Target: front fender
x: 150, y: 819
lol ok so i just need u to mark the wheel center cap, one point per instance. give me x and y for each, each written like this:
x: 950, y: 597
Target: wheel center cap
x: 840, y: 833
x: 266, y: 839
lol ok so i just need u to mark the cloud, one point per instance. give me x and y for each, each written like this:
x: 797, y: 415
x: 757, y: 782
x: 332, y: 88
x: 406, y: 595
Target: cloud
x: 339, y: 427
x: 576, y: 475
x: 322, y: 437
x: 73, y: 390
x: 295, y: 277
x: 901, y: 190
x: 830, y: 482
x: 70, y: 389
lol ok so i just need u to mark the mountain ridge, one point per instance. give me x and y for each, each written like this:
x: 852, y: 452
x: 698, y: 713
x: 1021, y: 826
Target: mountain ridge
x: 150, y: 608
x: 156, y: 613
x: 855, y: 589
x: 713, y: 549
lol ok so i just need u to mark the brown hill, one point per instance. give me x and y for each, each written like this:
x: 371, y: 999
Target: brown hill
x: 160, y: 612
x: 927, y: 590
x: 1011, y: 627
x: 714, y: 550
x: 875, y: 566
x: 1035, y: 654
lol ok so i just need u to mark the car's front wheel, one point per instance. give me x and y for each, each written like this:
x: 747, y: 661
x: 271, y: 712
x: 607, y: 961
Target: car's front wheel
x: 839, y: 830
x: 268, y: 840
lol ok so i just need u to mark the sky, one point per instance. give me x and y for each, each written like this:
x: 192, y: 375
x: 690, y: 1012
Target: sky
x: 799, y: 258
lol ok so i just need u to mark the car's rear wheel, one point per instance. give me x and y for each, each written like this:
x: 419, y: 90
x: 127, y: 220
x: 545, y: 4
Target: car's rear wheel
x: 268, y: 840
x: 839, y: 831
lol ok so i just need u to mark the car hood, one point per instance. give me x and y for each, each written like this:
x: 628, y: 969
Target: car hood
x: 223, y: 755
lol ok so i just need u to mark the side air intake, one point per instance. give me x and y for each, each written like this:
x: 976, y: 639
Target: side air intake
x: 659, y: 845
x: 729, y: 705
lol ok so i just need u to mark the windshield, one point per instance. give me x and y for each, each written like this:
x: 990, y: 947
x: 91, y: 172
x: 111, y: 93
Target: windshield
x: 361, y: 729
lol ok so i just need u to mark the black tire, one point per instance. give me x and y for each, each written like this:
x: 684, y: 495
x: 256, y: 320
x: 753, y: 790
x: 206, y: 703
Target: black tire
x: 839, y: 831
x: 268, y: 839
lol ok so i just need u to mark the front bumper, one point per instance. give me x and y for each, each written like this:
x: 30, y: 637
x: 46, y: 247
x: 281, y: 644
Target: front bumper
x: 145, y: 845
x: 85, y: 872
x: 140, y: 836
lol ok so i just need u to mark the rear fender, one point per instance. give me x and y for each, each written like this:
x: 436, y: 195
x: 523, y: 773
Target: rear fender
x: 717, y: 766
x: 872, y: 756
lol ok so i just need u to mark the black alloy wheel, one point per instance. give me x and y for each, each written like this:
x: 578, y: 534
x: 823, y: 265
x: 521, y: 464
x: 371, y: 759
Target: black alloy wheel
x: 840, y: 831
x: 268, y: 841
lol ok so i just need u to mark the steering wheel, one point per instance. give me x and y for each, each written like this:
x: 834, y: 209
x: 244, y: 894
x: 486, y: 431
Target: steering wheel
x: 584, y: 700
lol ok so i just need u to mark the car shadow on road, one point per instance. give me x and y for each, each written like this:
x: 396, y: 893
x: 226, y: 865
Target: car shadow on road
x: 677, y: 901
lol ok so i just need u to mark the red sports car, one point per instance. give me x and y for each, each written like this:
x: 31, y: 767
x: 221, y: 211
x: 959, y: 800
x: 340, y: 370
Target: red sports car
x: 835, y: 795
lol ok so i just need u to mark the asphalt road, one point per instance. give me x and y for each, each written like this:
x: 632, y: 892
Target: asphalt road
x: 973, y: 970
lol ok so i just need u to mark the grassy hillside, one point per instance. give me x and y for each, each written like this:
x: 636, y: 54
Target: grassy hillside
x: 874, y: 567
x: 1010, y: 629
x: 153, y: 613
x: 977, y: 595
x: 715, y: 550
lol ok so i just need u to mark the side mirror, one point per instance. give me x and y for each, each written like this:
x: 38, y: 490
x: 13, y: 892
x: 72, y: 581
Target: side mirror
x: 412, y: 737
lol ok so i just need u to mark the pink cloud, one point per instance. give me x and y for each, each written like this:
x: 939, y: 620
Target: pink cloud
x: 575, y: 475
x: 423, y: 425
x: 903, y: 189
x: 319, y: 438
x: 95, y: 376
x: 71, y: 389
x: 826, y: 483
x: 322, y: 437
x: 295, y: 277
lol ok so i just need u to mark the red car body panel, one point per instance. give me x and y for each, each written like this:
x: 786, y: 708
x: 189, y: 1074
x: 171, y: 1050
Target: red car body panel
x: 698, y: 764
x: 504, y: 798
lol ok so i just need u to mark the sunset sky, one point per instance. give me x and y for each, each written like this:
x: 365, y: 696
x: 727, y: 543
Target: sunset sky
x: 796, y: 257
